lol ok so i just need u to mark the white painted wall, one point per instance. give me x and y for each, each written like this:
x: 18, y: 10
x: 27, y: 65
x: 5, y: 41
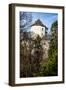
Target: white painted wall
x: 4, y: 45
x: 38, y: 30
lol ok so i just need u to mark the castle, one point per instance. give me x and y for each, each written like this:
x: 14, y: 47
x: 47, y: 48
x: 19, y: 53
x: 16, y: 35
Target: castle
x: 37, y: 29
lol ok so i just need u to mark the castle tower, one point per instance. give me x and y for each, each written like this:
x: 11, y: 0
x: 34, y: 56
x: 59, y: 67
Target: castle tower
x: 39, y: 28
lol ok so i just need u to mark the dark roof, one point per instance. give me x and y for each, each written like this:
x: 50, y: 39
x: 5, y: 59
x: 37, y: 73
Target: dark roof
x: 39, y: 23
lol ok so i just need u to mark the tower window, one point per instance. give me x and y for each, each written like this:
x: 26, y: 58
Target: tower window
x: 42, y: 29
x: 42, y: 34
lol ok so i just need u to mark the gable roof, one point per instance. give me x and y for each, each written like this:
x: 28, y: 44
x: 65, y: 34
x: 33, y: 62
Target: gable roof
x: 39, y: 23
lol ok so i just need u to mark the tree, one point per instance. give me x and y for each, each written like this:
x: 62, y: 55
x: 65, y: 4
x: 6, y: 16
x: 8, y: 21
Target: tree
x: 38, y: 53
x: 53, y: 51
x: 51, y: 67
x: 25, y: 21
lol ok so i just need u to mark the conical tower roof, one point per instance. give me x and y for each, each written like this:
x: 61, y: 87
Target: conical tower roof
x: 39, y: 23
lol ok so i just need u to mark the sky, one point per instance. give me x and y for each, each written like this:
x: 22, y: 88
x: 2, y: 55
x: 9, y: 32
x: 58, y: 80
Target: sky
x: 46, y: 18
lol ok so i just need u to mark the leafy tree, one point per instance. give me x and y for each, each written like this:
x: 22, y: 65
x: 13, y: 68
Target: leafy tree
x: 53, y: 51
x: 51, y: 67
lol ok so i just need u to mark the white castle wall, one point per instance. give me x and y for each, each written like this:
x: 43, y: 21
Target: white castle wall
x: 38, y: 30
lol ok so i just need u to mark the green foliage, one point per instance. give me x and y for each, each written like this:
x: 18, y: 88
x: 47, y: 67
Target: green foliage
x: 32, y: 66
x: 50, y: 69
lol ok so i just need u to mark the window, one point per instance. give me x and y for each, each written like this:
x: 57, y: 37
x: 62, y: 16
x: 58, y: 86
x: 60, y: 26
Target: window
x: 42, y: 29
x: 42, y: 34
